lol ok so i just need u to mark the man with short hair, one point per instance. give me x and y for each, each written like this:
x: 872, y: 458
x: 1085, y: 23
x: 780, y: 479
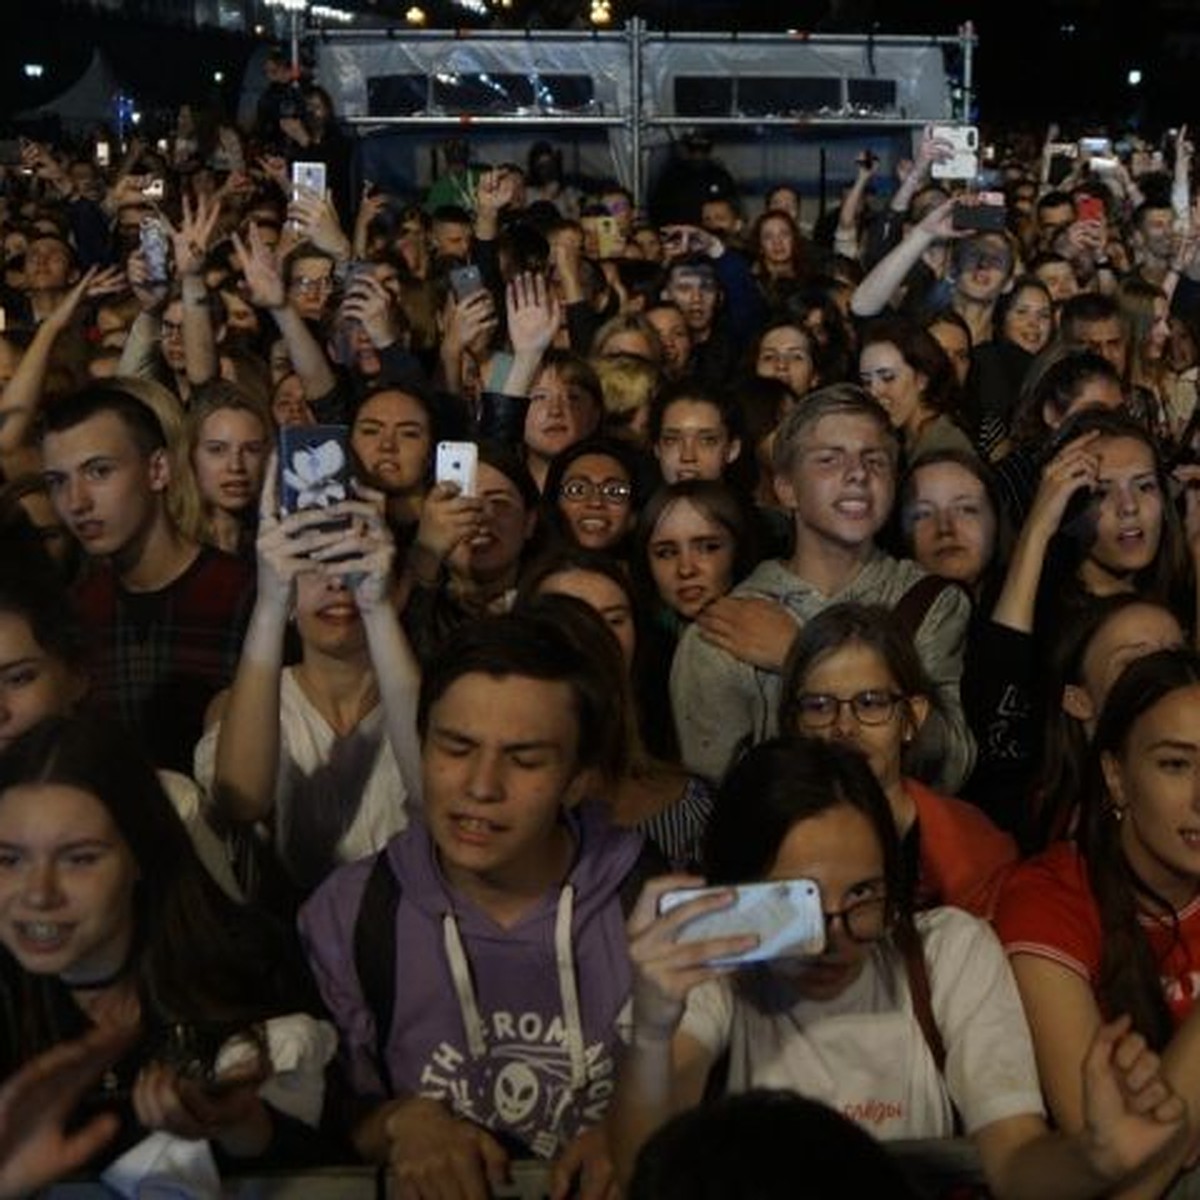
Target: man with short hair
x: 1093, y: 322
x: 164, y: 616
x: 835, y: 469
x: 50, y: 272
x: 477, y: 967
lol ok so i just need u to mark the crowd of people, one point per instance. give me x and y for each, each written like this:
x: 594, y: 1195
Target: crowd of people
x: 337, y: 806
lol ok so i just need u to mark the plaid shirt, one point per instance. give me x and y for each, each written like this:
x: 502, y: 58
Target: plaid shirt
x: 158, y: 658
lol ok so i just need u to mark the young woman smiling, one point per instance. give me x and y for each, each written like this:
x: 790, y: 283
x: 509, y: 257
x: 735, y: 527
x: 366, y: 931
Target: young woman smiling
x: 1109, y: 922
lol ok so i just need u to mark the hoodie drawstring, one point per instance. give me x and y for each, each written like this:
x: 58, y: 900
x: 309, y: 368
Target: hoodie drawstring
x: 568, y: 988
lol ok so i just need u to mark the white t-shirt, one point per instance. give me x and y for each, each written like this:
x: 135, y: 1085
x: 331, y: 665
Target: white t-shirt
x: 337, y: 798
x: 864, y: 1054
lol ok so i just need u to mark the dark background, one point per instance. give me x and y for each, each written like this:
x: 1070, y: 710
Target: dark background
x: 1037, y: 60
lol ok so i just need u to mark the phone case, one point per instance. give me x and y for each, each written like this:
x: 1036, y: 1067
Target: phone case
x: 465, y: 281
x: 314, y: 467
x: 786, y: 914
x: 309, y: 175
x: 965, y: 163
x: 458, y: 462
x: 153, y: 239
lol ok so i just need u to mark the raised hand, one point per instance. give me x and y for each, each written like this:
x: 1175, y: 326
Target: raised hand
x: 665, y: 970
x: 260, y: 270
x: 370, y: 303
x: 1075, y: 466
x: 363, y: 554
x: 316, y: 221
x: 191, y: 239
x: 497, y: 188
x: 36, y: 1105
x: 534, y: 314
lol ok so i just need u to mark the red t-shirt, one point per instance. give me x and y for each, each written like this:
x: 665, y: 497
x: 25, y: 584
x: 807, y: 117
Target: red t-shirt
x: 1047, y: 909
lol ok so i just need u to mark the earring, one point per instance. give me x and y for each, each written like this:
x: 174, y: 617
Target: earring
x: 1118, y: 813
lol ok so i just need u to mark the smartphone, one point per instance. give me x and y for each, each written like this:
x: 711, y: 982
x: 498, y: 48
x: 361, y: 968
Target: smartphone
x: 154, y: 245
x: 964, y: 164
x: 1063, y: 150
x: 102, y: 154
x: 310, y: 175
x: 457, y: 462
x: 988, y: 216
x: 1096, y: 145
x: 314, y: 467
x: 1090, y: 208
x: 154, y: 189
x: 610, y: 242
x: 465, y: 282
x: 785, y: 913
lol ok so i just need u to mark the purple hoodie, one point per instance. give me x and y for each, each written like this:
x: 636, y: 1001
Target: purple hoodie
x: 516, y: 1029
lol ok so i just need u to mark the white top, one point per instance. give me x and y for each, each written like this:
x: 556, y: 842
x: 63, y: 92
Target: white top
x: 337, y: 798
x: 864, y: 1054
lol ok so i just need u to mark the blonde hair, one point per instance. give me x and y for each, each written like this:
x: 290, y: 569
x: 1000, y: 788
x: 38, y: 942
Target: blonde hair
x: 628, y: 384
x: 214, y: 396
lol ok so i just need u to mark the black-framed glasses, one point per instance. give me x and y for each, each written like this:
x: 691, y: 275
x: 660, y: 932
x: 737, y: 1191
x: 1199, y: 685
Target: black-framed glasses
x: 864, y: 921
x: 818, y: 710
x: 611, y: 491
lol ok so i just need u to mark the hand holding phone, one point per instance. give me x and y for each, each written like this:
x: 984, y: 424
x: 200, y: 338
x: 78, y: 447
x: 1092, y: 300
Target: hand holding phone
x: 784, y: 914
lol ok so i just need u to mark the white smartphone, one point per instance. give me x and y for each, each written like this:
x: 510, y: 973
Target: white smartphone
x: 965, y: 162
x: 786, y: 914
x: 310, y: 175
x: 457, y: 462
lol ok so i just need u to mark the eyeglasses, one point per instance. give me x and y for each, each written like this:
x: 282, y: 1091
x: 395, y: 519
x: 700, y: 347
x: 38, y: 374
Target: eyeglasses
x: 612, y: 491
x: 170, y: 328
x: 819, y: 710
x: 865, y: 921
x: 322, y: 284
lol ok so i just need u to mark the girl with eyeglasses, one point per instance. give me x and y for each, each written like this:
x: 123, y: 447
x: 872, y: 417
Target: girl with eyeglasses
x: 854, y: 678
x: 592, y: 496
x: 908, y: 1024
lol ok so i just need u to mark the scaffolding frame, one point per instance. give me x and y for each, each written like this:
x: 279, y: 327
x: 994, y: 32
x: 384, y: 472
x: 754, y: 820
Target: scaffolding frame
x: 641, y: 118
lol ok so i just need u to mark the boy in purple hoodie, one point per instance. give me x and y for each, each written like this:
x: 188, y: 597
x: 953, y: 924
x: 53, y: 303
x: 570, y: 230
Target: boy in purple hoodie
x: 510, y: 980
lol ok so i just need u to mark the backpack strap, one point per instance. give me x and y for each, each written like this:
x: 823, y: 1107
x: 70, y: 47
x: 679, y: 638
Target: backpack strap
x: 917, y: 970
x: 913, y: 607
x: 375, y: 954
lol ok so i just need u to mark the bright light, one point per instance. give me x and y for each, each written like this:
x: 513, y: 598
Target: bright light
x: 325, y: 12
x: 259, y: 30
x: 288, y: 5
x: 601, y: 12
x: 218, y: 77
x: 1135, y: 77
x: 415, y: 16
x: 474, y: 6
x: 34, y: 70
x: 135, y: 117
